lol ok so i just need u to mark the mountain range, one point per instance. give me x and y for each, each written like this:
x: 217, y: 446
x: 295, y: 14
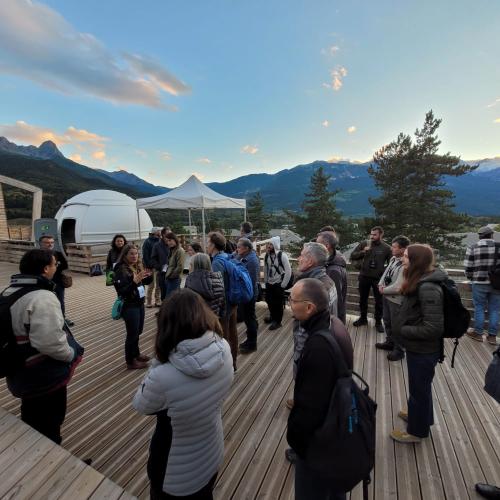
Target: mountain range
x: 477, y: 193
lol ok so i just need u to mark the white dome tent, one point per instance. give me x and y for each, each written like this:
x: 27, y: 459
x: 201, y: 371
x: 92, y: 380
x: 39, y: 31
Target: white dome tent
x: 193, y: 194
x: 94, y: 217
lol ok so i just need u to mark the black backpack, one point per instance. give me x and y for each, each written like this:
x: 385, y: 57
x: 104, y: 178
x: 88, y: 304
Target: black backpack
x: 11, y: 358
x: 342, y: 450
x: 494, y: 272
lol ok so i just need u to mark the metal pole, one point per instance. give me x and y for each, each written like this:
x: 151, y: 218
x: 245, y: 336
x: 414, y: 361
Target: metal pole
x: 139, y: 224
x: 204, y: 242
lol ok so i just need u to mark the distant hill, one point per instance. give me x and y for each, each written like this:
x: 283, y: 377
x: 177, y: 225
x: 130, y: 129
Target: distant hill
x: 476, y: 193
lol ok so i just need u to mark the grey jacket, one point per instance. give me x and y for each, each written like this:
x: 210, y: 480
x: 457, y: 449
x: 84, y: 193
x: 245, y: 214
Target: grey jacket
x: 419, y: 323
x: 210, y: 285
x: 393, y: 274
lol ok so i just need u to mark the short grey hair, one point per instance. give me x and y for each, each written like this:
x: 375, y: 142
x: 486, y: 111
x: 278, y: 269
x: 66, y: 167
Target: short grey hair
x: 318, y: 252
x: 200, y: 261
x: 315, y: 291
x: 330, y: 238
x: 246, y: 243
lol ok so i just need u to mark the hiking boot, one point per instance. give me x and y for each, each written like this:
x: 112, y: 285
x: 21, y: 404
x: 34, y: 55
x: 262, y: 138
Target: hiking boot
x: 488, y: 491
x: 268, y: 319
x: 386, y: 346
x: 403, y: 415
x: 360, y: 322
x: 143, y: 357
x: 474, y: 336
x: 290, y: 455
x: 396, y: 355
x: 492, y: 339
x: 246, y: 348
x: 274, y: 326
x: 289, y: 403
x: 136, y: 365
x: 379, y: 327
x: 404, y: 437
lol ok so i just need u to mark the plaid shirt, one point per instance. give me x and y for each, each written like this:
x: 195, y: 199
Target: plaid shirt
x: 479, y: 259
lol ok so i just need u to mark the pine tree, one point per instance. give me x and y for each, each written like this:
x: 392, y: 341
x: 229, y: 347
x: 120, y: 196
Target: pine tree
x: 414, y: 201
x: 257, y: 216
x: 319, y: 208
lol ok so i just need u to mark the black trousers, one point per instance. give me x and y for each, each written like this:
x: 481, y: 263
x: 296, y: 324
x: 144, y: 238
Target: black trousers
x: 250, y: 319
x: 46, y: 413
x: 364, y: 286
x: 390, y: 311
x: 275, y: 296
x: 133, y: 316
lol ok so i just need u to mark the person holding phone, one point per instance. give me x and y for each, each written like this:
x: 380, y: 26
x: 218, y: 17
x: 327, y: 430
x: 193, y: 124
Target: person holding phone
x: 130, y: 280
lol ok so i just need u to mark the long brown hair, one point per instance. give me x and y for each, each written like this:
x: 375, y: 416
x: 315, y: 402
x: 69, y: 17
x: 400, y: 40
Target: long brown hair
x: 122, y: 259
x: 183, y: 315
x: 421, y: 262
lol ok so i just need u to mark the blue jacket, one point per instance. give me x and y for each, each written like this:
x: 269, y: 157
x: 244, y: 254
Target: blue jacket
x: 252, y: 264
x: 147, y: 251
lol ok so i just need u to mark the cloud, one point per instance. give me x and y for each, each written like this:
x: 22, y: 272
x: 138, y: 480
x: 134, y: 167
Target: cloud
x: 38, y: 44
x: 204, y: 160
x: 330, y: 50
x: 337, y: 74
x: 325, y: 123
x: 165, y: 156
x: 494, y: 103
x: 248, y: 149
x: 351, y: 129
x: 99, y: 155
x: 497, y: 120
x: 76, y: 158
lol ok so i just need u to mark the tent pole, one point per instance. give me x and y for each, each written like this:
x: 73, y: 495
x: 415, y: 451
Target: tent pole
x: 139, y: 224
x: 203, y: 243
x: 245, y: 214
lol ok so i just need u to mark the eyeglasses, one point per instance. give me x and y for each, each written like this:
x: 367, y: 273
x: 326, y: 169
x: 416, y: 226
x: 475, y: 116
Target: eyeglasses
x: 294, y: 301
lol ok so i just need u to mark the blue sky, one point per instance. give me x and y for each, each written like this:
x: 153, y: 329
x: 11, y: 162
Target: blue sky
x: 226, y: 88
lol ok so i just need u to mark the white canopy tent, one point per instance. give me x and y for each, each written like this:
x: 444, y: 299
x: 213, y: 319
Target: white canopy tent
x: 193, y: 195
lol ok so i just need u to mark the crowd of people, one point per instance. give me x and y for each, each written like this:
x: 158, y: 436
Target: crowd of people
x: 196, y: 346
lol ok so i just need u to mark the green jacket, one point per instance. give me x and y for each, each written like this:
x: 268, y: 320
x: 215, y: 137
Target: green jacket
x: 419, y: 323
x: 175, y: 263
x: 372, y: 262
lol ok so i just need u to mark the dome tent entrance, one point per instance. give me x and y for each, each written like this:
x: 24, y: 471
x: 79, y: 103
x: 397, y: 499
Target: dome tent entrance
x: 193, y: 195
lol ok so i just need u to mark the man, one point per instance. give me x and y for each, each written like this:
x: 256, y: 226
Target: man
x: 479, y: 259
x: 336, y: 269
x: 370, y: 258
x: 44, y: 341
x: 159, y: 259
x: 277, y: 275
x: 216, y: 243
x: 247, y: 256
x: 246, y: 230
x: 314, y: 384
x: 389, y: 286
x: 147, y: 250
x: 47, y: 242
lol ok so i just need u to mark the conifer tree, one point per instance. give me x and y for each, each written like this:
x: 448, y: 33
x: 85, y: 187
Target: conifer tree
x: 414, y: 201
x: 257, y: 216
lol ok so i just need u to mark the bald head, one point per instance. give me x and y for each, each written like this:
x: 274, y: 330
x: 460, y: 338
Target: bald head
x: 312, y: 290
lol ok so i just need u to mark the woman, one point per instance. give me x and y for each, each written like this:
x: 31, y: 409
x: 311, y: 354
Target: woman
x: 419, y: 327
x: 130, y: 279
x: 117, y: 244
x: 185, y: 388
x: 207, y: 283
x: 194, y: 248
x: 175, y: 264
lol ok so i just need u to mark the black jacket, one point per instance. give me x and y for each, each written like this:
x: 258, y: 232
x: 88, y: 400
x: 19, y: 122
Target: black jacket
x: 125, y: 286
x: 113, y: 255
x: 160, y: 255
x: 61, y: 266
x: 147, y: 250
x: 372, y: 262
x: 314, y: 383
x: 419, y: 323
x: 210, y: 285
x: 336, y: 269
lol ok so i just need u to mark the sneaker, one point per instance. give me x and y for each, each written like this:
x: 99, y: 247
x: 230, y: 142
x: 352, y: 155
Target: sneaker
x: 69, y: 322
x: 360, y: 322
x: 289, y: 403
x: 396, y: 355
x: 403, y: 415
x: 268, y: 319
x: 379, y: 327
x: 474, y: 336
x: 386, y: 346
x: 404, y: 437
x: 290, y: 455
x: 492, y: 339
x: 137, y: 365
x: 274, y: 326
x: 143, y: 357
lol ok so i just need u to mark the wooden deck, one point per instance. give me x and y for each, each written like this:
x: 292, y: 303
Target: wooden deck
x: 464, y: 447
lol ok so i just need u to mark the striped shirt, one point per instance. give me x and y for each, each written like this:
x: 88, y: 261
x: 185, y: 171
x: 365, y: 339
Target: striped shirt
x: 479, y: 260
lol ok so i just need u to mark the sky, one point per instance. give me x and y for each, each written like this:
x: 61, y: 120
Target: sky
x: 226, y: 88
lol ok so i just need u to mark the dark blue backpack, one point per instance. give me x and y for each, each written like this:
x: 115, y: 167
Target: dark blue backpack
x: 240, y: 284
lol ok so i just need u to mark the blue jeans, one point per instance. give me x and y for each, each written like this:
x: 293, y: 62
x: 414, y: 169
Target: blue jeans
x: 421, y: 368
x: 484, y: 297
x: 309, y: 486
x: 171, y: 285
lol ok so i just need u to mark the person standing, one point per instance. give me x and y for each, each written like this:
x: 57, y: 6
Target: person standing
x: 314, y: 383
x: 130, y: 279
x: 390, y: 288
x: 246, y: 230
x: 479, y: 259
x: 185, y: 388
x: 277, y: 274
x: 159, y: 258
x: 336, y: 268
x: 247, y: 256
x: 175, y: 266
x: 117, y: 244
x: 371, y: 257
x: 45, y: 342
x: 418, y: 327
x: 47, y: 242
x: 147, y: 250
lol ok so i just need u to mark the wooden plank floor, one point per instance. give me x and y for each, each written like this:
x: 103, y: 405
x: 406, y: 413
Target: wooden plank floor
x: 464, y: 447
